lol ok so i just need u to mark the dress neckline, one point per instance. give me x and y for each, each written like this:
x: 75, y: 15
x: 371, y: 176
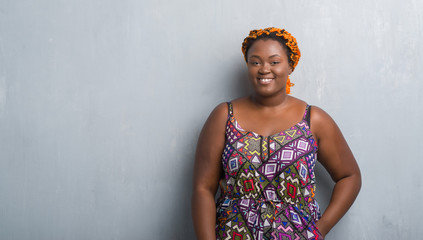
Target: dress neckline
x: 239, y: 127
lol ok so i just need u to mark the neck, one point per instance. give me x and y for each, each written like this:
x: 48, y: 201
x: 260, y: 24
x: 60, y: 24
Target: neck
x: 271, y: 101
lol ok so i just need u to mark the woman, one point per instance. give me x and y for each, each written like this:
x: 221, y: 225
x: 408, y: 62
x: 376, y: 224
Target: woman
x: 266, y: 175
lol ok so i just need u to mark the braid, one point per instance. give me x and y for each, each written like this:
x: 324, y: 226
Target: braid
x: 280, y: 35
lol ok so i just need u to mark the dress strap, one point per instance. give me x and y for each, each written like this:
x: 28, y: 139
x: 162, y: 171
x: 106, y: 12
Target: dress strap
x: 307, y: 115
x: 230, y: 109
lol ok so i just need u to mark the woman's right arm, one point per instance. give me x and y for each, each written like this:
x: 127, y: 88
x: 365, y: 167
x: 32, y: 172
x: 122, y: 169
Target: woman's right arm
x: 207, y: 172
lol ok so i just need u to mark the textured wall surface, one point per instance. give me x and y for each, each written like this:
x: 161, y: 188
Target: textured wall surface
x: 101, y: 104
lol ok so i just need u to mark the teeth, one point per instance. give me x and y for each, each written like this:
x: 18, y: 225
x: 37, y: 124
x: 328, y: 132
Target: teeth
x: 265, y: 80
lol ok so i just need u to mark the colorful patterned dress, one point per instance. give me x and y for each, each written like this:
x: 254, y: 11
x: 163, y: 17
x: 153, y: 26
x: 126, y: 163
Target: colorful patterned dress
x: 267, y: 191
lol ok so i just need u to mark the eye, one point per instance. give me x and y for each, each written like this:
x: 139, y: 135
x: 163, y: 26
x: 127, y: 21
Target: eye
x: 274, y: 62
x: 255, y: 63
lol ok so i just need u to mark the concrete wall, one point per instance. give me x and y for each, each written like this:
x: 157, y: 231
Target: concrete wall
x: 101, y: 103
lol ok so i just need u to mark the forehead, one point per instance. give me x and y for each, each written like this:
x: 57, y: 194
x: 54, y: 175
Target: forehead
x: 266, y: 47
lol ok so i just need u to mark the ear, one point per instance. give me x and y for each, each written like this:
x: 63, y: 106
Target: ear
x: 290, y: 71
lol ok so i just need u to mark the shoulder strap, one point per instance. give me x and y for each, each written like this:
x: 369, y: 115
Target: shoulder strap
x: 230, y: 109
x: 307, y: 115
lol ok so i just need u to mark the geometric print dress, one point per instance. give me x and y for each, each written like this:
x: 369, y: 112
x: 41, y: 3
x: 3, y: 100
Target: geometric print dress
x: 268, y: 187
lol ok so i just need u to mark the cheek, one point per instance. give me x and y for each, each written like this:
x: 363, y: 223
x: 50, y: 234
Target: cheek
x: 251, y: 72
x: 284, y: 71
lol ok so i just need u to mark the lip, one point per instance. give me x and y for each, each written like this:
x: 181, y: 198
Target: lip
x: 265, y: 81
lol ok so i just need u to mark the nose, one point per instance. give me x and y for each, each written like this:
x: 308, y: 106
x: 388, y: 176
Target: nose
x: 264, y: 69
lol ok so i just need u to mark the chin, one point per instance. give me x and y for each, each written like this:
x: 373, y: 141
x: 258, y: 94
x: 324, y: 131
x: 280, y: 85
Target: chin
x: 270, y: 93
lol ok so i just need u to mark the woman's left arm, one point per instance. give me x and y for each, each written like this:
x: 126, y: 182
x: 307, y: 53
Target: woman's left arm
x: 335, y: 155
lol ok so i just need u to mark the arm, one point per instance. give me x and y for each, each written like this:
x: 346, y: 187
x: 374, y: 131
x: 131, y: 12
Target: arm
x: 207, y: 171
x: 337, y: 158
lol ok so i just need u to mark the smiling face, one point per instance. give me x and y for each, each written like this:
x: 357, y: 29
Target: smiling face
x: 268, y: 67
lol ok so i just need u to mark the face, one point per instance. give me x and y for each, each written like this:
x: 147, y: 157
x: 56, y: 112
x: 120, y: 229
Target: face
x: 268, y: 67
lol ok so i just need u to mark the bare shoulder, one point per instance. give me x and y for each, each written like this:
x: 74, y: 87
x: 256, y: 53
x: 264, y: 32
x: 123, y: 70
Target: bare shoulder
x: 318, y: 115
x: 212, y: 137
x: 321, y: 122
x: 219, y: 115
x: 220, y: 110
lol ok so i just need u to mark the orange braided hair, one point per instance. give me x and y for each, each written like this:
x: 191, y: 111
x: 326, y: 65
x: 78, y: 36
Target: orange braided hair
x: 283, y: 37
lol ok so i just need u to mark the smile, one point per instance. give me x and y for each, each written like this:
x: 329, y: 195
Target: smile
x: 265, y: 80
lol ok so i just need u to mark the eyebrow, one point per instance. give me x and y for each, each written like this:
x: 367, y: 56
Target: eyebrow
x: 275, y: 55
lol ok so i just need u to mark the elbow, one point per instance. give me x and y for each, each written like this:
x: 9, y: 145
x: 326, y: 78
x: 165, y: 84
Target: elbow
x: 358, y: 181
x: 200, y: 193
x: 351, y: 181
x: 355, y: 182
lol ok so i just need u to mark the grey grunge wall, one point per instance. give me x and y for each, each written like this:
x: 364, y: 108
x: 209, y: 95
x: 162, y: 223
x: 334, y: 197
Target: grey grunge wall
x: 102, y: 101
